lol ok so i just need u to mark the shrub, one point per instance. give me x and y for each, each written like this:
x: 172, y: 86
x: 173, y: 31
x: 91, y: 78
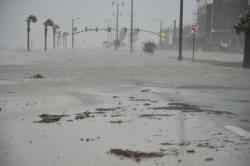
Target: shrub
x: 149, y: 47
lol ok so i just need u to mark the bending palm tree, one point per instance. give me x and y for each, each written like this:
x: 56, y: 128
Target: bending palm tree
x: 47, y: 23
x: 30, y: 19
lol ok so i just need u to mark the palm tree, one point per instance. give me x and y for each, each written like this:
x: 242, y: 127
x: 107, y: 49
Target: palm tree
x: 58, y: 38
x: 30, y: 19
x: 55, y: 27
x: 243, y: 25
x: 47, y: 23
x: 65, y: 34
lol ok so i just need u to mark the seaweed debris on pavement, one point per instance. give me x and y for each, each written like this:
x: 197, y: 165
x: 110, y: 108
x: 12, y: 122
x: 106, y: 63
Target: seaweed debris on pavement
x: 206, y: 145
x: 184, y: 107
x: 136, y: 155
x: 154, y: 115
x: 47, y: 118
x: 108, y: 109
x: 119, y: 121
x: 209, y: 159
x: 84, y: 115
x: 37, y: 76
x: 189, y: 108
x: 145, y: 90
x: 172, y: 151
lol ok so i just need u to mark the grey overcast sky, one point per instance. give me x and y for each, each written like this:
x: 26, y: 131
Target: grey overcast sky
x: 93, y: 14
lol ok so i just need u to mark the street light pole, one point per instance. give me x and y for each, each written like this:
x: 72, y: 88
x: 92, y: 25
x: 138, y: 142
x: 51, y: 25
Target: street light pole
x: 180, y: 31
x: 113, y: 36
x: 73, y: 30
x: 160, y: 34
x: 131, y: 34
x: 109, y: 36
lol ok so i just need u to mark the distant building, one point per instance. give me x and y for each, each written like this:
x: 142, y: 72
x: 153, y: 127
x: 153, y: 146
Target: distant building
x: 215, y: 19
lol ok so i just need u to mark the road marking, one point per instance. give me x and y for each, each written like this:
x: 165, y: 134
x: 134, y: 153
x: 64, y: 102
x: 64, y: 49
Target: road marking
x: 238, y: 131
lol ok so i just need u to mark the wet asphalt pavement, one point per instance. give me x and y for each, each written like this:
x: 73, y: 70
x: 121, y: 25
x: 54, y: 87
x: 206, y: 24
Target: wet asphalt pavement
x: 170, y: 113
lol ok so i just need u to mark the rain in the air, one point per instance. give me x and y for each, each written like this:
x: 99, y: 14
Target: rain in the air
x: 124, y: 82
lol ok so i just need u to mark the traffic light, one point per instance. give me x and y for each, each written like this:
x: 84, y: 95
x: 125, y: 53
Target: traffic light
x: 162, y: 34
x: 109, y: 29
x: 96, y: 29
x: 86, y: 28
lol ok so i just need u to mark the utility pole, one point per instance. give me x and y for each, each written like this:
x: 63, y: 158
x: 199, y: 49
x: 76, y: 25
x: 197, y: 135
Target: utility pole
x: 117, y: 26
x: 108, y: 36
x: 174, y: 35
x: 117, y: 22
x: 131, y: 34
x: 73, y: 27
x: 180, y: 31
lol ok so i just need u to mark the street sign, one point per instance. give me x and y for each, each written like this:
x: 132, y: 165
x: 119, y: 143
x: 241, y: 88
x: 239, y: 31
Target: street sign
x: 194, y: 29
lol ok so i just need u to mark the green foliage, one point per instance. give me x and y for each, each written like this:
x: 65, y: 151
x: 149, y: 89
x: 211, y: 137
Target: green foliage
x: 149, y: 47
x: 243, y: 23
